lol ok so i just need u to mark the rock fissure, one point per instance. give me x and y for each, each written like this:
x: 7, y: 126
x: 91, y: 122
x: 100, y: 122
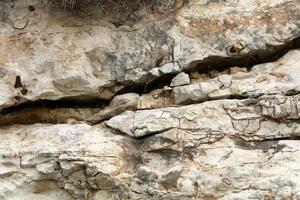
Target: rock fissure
x: 37, y: 111
x: 248, y: 60
x: 172, y: 100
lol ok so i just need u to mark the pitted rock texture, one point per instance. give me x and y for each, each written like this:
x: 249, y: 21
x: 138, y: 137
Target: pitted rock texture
x: 80, y: 161
x: 62, y: 54
x: 98, y: 105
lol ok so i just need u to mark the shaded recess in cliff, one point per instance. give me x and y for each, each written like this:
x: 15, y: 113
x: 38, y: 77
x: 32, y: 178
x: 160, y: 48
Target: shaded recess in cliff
x: 220, y: 63
x: 254, y: 57
x: 204, y: 66
x: 61, y: 103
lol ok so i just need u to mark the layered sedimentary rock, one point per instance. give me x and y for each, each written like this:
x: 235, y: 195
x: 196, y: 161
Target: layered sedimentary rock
x: 172, y: 100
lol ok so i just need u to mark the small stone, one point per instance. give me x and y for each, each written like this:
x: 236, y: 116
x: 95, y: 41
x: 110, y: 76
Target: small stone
x: 188, y: 93
x: 48, y: 167
x: 167, y: 88
x: 154, y: 72
x: 181, y: 79
x: 234, y: 70
x: 169, y: 68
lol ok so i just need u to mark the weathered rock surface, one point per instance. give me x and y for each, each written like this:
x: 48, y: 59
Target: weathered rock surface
x: 148, y: 104
x: 181, y: 79
x: 77, y: 161
x: 59, y: 54
x: 253, y: 118
x: 270, y: 78
x: 117, y: 105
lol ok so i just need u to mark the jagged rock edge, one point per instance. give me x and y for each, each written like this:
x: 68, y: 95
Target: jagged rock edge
x: 219, y: 63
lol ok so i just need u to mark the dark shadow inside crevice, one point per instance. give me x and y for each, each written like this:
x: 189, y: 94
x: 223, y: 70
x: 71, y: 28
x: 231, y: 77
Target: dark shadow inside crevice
x: 248, y: 60
x: 204, y: 66
x: 219, y: 63
x: 263, y: 144
x: 75, y: 102
x: 142, y: 88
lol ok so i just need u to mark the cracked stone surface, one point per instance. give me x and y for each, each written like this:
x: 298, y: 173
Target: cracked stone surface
x: 40, y: 161
x: 110, y: 106
x: 59, y: 54
x: 267, y: 117
x: 270, y: 78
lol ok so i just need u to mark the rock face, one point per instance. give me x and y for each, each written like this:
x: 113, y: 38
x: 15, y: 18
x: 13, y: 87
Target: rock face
x: 171, y: 100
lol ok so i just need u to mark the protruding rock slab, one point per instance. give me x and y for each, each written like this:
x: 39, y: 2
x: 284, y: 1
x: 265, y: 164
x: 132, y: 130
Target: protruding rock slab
x: 267, y: 117
x: 280, y: 77
x: 61, y: 54
x: 117, y: 105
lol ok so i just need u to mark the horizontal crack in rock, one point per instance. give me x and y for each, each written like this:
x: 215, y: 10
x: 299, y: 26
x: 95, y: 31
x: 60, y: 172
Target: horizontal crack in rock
x: 41, y: 111
x: 255, y: 57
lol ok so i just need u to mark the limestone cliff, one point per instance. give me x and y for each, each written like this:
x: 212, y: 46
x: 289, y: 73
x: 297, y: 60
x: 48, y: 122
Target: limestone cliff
x: 169, y: 99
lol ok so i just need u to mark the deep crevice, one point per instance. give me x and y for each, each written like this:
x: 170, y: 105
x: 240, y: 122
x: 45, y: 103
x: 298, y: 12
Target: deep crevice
x: 248, y: 60
x: 219, y: 63
x: 142, y: 88
x: 61, y: 103
x: 272, y: 53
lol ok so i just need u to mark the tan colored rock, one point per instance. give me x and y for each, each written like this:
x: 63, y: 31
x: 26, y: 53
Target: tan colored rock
x: 59, y: 55
x: 237, y: 138
x: 258, y: 81
x: 156, y: 99
x: 118, y: 105
x: 234, y: 70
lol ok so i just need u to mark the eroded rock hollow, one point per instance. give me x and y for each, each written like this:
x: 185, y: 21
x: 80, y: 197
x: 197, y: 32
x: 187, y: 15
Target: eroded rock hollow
x: 153, y: 99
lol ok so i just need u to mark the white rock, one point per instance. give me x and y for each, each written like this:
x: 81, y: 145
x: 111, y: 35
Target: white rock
x: 237, y: 139
x: 224, y: 86
x: 181, y: 79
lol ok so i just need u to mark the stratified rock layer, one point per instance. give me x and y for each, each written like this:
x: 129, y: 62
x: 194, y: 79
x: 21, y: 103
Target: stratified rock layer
x: 98, y: 107
x: 60, y: 54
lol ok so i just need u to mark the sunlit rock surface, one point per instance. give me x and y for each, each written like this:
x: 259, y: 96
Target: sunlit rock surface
x: 170, y: 100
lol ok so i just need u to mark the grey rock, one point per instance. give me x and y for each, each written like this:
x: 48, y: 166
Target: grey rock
x: 181, y: 79
x: 265, y: 78
x: 197, y: 92
x: 48, y: 167
x: 169, y: 68
x: 117, y: 105
x: 77, y: 57
x: 237, y: 138
x: 229, y: 117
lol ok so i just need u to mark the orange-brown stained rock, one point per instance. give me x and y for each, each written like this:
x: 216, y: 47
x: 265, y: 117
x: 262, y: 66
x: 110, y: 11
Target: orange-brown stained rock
x: 43, y: 115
